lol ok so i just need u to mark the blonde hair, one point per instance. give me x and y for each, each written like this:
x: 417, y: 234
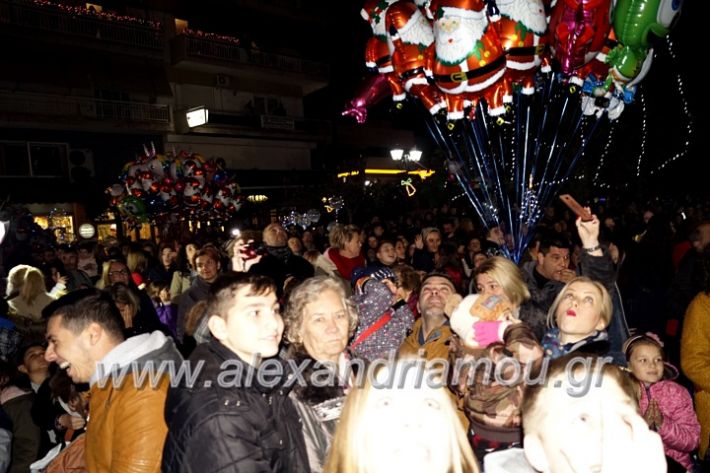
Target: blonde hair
x: 508, y: 276
x: 358, y: 419
x: 105, y: 281
x: 25, y: 282
x: 307, y: 292
x: 137, y: 261
x: 340, y: 235
x: 606, y: 308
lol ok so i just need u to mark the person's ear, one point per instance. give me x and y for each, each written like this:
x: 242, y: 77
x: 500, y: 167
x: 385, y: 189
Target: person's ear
x: 22, y: 369
x: 94, y: 332
x: 535, y: 453
x: 601, y: 325
x: 540, y: 258
x: 218, y: 327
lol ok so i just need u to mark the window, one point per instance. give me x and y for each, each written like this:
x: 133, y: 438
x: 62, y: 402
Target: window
x: 30, y: 159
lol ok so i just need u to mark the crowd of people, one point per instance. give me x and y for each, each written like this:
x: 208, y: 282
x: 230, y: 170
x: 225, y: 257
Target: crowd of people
x: 347, y: 348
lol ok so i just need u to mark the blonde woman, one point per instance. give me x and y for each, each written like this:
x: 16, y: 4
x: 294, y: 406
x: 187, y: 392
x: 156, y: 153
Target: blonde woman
x: 400, y: 419
x: 27, y: 294
x: 501, y: 277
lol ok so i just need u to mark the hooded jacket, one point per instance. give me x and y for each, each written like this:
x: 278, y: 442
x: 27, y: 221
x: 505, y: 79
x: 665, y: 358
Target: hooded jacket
x: 680, y: 430
x: 126, y: 430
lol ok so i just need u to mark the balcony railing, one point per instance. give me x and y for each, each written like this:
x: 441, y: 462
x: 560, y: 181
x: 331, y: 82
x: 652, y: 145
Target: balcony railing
x: 45, y: 19
x: 277, y: 123
x: 222, y: 51
x: 42, y: 105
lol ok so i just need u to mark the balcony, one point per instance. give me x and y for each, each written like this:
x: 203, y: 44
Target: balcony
x: 265, y: 126
x: 223, y: 57
x: 83, y: 113
x: 50, y: 25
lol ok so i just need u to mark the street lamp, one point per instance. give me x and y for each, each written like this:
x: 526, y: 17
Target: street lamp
x: 398, y: 154
x: 197, y: 116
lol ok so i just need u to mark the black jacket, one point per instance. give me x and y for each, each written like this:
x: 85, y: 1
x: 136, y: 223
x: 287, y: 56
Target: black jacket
x: 235, y: 428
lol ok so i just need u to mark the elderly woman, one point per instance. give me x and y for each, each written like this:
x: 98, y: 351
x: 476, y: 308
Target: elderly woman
x: 319, y: 321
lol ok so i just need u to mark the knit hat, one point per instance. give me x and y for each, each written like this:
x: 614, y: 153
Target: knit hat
x: 377, y: 273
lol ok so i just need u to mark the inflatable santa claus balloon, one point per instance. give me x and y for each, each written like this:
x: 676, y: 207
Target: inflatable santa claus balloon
x: 410, y: 35
x: 523, y: 33
x: 467, y: 60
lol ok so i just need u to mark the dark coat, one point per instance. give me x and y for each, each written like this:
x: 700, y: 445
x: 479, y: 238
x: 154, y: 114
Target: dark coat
x: 278, y: 269
x: 248, y: 428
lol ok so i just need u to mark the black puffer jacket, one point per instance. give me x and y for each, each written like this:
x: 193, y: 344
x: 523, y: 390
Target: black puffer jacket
x: 235, y: 428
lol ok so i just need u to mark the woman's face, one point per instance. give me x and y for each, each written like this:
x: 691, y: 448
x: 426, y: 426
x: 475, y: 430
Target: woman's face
x: 407, y: 430
x: 326, y: 327
x: 352, y: 246
x: 433, y: 240
x: 579, y: 313
x: 486, y: 285
x: 127, y: 313
x: 474, y: 245
x: 167, y: 256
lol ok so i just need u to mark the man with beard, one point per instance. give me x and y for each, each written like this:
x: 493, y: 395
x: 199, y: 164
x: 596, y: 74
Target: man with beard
x: 467, y: 60
x: 431, y: 332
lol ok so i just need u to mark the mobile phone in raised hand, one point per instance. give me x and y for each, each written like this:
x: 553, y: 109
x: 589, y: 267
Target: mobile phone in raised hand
x: 575, y: 207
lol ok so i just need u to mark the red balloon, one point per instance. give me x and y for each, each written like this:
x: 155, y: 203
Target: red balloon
x: 578, y: 29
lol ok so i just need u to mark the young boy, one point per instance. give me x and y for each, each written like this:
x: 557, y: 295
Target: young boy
x: 236, y: 416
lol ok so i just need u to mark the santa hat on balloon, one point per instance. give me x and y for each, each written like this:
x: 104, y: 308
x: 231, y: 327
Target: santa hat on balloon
x: 373, y: 11
x: 467, y: 9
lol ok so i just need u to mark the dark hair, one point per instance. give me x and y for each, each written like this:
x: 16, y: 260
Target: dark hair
x: 548, y: 241
x: 225, y: 287
x: 437, y: 274
x: 210, y: 252
x: 80, y: 308
x: 24, y: 347
x: 381, y: 243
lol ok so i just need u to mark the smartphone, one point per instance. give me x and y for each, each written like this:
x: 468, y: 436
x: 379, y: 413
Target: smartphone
x: 254, y: 249
x: 576, y: 208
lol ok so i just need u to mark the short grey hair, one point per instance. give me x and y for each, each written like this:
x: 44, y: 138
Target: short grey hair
x: 305, y: 293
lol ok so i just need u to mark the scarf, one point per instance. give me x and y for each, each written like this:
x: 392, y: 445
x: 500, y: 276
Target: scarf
x: 554, y: 349
x: 281, y: 253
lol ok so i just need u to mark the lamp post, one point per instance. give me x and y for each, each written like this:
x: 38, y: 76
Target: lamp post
x: 398, y: 154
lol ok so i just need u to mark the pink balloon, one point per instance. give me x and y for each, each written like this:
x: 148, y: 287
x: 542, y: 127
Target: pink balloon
x: 373, y: 90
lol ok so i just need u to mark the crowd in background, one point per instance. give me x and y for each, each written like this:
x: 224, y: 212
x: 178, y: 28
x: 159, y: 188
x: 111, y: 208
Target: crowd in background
x: 633, y: 284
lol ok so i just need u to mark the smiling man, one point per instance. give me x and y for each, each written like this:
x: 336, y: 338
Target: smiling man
x: 236, y: 417
x: 126, y: 430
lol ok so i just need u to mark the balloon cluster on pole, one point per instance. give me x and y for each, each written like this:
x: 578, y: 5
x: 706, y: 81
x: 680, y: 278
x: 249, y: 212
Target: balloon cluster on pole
x: 177, y: 184
x: 510, y: 90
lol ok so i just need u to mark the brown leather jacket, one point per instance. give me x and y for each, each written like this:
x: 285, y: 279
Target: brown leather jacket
x: 126, y: 429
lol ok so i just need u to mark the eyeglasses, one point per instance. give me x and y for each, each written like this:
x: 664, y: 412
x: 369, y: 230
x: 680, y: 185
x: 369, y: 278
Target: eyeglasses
x: 120, y: 272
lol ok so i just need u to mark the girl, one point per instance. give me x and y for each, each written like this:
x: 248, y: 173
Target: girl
x: 665, y: 404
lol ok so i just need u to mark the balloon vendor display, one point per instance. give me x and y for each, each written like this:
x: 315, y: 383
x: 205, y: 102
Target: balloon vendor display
x: 510, y: 90
x: 179, y: 185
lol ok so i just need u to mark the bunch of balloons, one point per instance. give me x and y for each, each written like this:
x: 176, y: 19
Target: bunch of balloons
x: 303, y: 220
x: 182, y: 184
x: 451, y: 54
x: 511, y: 91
